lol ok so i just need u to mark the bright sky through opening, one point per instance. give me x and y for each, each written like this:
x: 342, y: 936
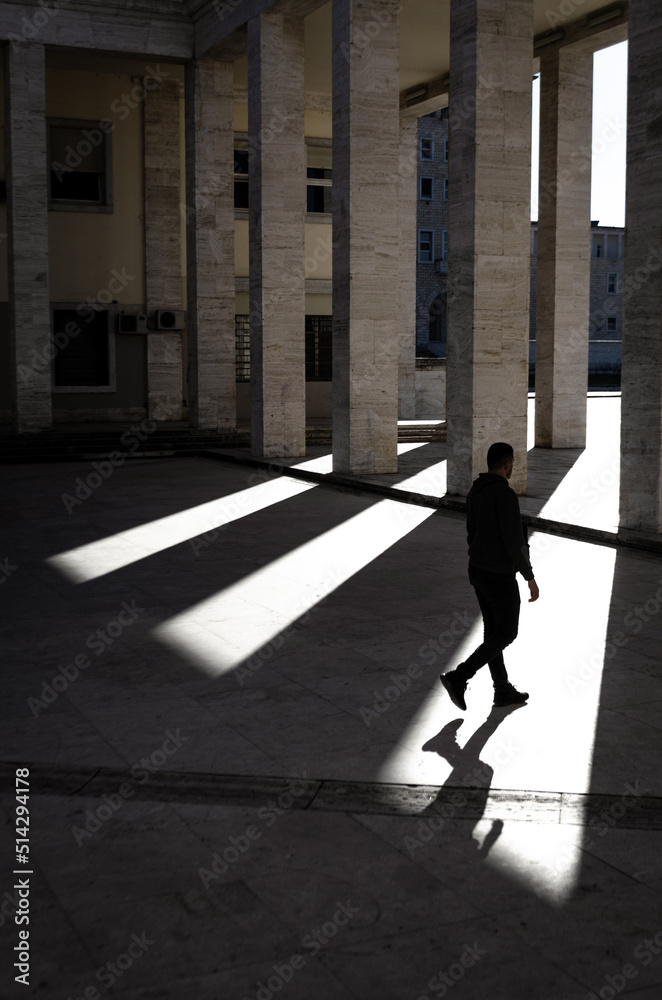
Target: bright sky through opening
x: 609, y: 137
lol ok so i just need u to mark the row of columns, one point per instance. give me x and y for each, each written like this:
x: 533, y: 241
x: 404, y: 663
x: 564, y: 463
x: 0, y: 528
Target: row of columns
x: 373, y: 286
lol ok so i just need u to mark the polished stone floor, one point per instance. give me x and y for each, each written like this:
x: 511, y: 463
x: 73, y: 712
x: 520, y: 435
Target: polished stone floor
x: 246, y: 779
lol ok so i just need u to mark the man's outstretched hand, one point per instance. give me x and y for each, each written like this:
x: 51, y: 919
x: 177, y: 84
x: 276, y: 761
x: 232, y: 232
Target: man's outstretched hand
x: 533, y: 588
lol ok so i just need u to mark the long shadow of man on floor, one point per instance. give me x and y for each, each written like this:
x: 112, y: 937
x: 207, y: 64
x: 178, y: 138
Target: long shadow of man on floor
x: 465, y: 791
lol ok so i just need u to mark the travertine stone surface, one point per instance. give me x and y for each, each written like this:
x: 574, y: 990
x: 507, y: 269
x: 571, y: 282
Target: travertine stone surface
x: 641, y: 376
x: 489, y: 234
x: 366, y: 233
x: 163, y: 286
x: 277, y: 201
x: 27, y: 234
x: 164, y: 32
x: 407, y: 290
x: 564, y: 246
x: 210, y: 243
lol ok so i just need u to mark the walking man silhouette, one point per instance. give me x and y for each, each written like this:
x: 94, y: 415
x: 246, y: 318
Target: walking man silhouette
x: 497, y: 552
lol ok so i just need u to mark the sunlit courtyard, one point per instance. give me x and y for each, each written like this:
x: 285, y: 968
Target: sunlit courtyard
x: 225, y: 682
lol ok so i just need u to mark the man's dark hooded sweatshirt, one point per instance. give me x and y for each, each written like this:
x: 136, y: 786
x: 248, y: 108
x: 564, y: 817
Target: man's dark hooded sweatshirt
x: 494, y: 527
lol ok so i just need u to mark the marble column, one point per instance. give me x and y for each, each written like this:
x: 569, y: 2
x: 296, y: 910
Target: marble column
x: 489, y: 234
x: 564, y: 245
x: 407, y: 205
x: 277, y: 202
x: 210, y: 244
x: 366, y: 232
x: 641, y: 374
x: 31, y: 345
x: 163, y: 282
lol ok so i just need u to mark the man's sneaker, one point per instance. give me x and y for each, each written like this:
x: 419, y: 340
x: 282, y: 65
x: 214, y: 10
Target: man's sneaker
x: 455, y: 688
x: 510, y: 696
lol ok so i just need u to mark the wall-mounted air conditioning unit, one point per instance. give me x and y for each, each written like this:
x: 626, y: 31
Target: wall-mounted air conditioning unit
x: 131, y: 323
x: 169, y: 319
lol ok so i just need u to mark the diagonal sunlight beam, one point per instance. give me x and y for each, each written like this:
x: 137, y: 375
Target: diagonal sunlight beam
x: 324, y: 463
x: 547, y: 745
x: 222, y: 631
x: 88, y: 562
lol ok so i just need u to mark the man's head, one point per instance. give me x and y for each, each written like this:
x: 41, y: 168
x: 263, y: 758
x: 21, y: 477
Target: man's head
x: 500, y: 458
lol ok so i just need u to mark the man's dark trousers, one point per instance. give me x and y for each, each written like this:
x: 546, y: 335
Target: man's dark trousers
x: 499, y: 600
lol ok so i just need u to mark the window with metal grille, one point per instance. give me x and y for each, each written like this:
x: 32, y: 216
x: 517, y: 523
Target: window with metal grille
x: 318, y: 348
x: 83, y: 349
x: 242, y: 330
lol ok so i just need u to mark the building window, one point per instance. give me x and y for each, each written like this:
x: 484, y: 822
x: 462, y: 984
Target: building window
x: 318, y: 348
x: 612, y: 245
x: 241, y: 178
x: 425, y: 246
x: 426, y: 188
x: 318, y: 193
x: 445, y: 150
x: 242, y: 333
x: 611, y: 324
x: 319, y: 180
x: 445, y: 188
x: 598, y: 246
x: 426, y: 149
x: 83, y: 343
x: 444, y: 244
x: 80, y: 158
x: 612, y: 283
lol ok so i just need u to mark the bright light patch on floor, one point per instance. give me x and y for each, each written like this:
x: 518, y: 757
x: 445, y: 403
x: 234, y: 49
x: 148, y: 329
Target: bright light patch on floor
x: 324, y: 463
x: 429, y: 482
x: 544, y: 859
x: 547, y: 745
x: 88, y: 562
x: 589, y: 494
x: 246, y: 620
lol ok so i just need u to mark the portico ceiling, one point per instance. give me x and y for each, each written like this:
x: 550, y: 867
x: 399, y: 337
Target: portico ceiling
x: 424, y: 38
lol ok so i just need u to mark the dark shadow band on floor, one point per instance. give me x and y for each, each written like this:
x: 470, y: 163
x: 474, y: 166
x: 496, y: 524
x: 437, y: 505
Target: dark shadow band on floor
x: 449, y: 505
x: 353, y: 797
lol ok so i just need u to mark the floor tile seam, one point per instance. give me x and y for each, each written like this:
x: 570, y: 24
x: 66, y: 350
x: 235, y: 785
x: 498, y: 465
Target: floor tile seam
x: 55, y: 896
x: 588, y: 849
x: 548, y: 959
x: 418, y: 863
x: 453, y: 505
x: 163, y: 791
